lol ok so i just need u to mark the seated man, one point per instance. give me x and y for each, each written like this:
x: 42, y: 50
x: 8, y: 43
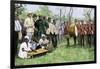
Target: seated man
x: 25, y: 47
x: 43, y: 42
x: 34, y: 45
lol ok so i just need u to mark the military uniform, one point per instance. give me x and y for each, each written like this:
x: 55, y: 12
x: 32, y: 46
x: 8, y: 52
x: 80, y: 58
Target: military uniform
x: 71, y: 31
x: 66, y: 32
x: 88, y: 34
x: 91, y: 34
x: 85, y: 33
x: 81, y: 33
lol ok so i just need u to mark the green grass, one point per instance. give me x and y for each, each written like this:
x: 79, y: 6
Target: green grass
x: 60, y: 55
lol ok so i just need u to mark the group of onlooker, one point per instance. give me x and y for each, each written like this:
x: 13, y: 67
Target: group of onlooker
x: 33, y: 33
x: 37, y: 31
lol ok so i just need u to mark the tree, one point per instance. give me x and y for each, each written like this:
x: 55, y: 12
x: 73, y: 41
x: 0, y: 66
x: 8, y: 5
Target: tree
x: 19, y: 8
x: 20, y: 11
x: 70, y: 14
x: 44, y: 10
x: 87, y: 13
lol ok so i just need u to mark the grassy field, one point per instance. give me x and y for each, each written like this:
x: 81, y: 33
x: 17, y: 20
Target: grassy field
x: 60, y: 55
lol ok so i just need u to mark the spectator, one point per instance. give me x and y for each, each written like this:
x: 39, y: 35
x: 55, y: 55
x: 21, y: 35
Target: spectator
x: 52, y: 31
x: 29, y: 24
x: 40, y: 26
x: 18, y: 34
x: 25, y: 47
x: 43, y: 42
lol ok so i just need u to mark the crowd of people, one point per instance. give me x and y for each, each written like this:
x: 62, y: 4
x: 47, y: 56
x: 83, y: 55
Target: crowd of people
x: 37, y: 31
x: 33, y: 33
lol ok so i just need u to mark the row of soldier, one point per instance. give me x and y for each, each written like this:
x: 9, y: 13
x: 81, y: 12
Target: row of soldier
x: 87, y: 33
x: 84, y: 33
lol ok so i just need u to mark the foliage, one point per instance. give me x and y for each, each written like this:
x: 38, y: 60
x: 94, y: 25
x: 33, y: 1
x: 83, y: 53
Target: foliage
x: 19, y: 8
x: 87, y: 14
x: 44, y: 10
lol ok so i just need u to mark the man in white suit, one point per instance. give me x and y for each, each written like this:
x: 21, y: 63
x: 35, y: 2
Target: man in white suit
x: 29, y: 24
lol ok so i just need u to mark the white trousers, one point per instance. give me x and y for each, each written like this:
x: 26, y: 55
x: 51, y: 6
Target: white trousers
x: 29, y: 34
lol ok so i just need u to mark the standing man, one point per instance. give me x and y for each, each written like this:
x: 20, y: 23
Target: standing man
x: 29, y: 24
x: 35, y: 36
x: 82, y: 33
x: 41, y: 26
x: 45, y: 24
x: 90, y: 33
x: 54, y: 38
x: 52, y: 32
x: 17, y: 34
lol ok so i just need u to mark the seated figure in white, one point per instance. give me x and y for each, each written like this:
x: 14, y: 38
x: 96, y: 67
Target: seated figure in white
x: 25, y: 47
x: 43, y: 42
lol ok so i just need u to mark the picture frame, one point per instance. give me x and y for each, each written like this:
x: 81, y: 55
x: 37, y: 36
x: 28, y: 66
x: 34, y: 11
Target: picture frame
x: 12, y: 34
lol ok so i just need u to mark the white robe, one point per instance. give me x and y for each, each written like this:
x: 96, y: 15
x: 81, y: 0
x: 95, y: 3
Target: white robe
x: 23, y: 54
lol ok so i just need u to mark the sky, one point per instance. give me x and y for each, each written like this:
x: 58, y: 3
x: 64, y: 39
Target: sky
x: 77, y: 11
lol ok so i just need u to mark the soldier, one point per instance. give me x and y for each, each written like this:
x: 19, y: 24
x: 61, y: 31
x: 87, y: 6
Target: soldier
x: 66, y: 32
x: 85, y: 32
x: 93, y: 34
x: 79, y: 30
x: 76, y: 31
x: 82, y: 33
x: 90, y: 33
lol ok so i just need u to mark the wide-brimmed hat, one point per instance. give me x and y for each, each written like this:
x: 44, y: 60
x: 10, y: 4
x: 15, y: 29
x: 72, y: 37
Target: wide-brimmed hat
x: 29, y: 12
